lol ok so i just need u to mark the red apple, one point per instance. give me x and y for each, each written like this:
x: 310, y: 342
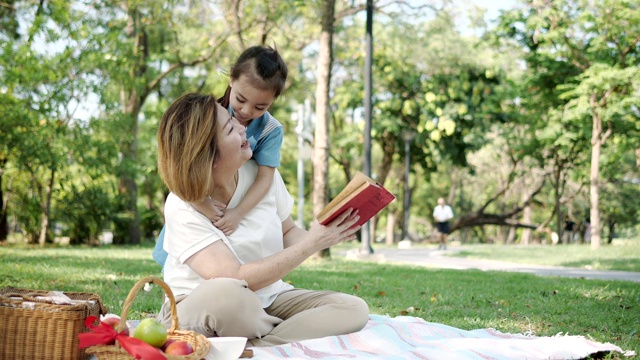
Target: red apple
x: 179, y: 348
x: 114, y: 322
x: 167, y: 343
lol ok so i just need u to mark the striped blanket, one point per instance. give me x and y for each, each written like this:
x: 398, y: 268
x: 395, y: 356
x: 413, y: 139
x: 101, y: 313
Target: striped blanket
x: 407, y: 337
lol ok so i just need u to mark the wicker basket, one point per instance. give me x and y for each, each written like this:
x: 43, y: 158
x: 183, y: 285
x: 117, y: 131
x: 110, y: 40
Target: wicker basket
x: 32, y: 328
x: 198, y: 342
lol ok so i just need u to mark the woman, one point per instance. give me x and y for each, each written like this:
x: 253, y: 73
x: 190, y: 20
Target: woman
x: 232, y: 286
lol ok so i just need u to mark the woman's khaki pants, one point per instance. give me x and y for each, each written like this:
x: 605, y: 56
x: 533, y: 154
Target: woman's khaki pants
x: 226, y: 307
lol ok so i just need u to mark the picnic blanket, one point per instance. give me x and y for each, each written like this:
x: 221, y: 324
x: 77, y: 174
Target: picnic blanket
x: 406, y: 337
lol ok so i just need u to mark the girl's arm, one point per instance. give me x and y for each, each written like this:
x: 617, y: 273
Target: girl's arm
x: 232, y: 217
x: 212, y: 209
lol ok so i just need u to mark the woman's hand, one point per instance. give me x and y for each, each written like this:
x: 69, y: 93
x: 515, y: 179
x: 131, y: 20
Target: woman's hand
x: 339, y: 230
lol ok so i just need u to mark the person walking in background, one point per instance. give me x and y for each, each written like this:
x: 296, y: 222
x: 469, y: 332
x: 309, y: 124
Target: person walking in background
x: 568, y: 231
x: 587, y: 230
x: 442, y: 213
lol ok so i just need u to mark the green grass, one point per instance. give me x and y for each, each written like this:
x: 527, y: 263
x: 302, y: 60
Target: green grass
x: 622, y: 255
x: 108, y: 271
x: 604, y: 311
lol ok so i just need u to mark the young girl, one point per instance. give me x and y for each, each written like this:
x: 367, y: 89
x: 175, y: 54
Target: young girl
x: 256, y: 80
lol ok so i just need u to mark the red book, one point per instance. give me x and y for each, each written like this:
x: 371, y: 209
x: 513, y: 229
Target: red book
x: 362, y: 193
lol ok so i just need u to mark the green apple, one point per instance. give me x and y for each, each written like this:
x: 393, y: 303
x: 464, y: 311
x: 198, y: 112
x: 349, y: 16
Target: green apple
x: 152, y: 332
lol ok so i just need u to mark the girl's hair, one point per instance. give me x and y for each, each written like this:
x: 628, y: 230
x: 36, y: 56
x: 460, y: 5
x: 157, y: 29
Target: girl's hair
x: 264, y: 68
x: 187, y: 145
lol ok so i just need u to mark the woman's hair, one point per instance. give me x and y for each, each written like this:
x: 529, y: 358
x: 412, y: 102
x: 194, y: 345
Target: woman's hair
x: 263, y: 67
x: 187, y: 146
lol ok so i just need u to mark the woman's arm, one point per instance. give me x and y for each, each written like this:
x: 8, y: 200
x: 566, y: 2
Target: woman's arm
x: 216, y: 260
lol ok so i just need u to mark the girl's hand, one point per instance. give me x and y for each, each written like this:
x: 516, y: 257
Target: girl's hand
x: 229, y: 221
x: 212, y: 209
x: 216, y: 210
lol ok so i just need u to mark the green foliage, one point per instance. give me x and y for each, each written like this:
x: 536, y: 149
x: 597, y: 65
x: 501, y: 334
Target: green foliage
x: 609, y: 92
x: 84, y: 212
x: 444, y: 87
x: 476, y: 104
x: 581, y: 76
x: 620, y: 191
x: 8, y: 20
x: 41, y: 89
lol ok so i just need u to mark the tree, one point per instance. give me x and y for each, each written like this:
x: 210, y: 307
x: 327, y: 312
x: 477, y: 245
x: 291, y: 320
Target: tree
x: 9, y: 24
x: 599, y: 39
x: 44, y: 82
x: 144, y: 43
x: 323, y: 82
x: 503, y: 200
x: 607, y: 94
x: 620, y: 189
x: 427, y: 81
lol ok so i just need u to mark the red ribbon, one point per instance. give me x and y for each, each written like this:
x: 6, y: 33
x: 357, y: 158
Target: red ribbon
x: 104, y: 334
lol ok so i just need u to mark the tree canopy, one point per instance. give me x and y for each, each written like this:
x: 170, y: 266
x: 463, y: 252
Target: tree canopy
x: 519, y: 126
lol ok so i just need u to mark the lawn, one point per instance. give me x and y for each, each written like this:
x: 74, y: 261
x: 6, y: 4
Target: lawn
x: 621, y: 255
x: 605, y: 311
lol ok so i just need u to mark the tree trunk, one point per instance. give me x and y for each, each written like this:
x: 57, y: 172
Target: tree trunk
x: 46, y: 210
x: 321, y: 139
x: 558, y: 206
x: 4, y: 223
x: 132, y: 96
x: 526, y: 233
x: 511, y: 236
x: 128, y: 188
x: 596, y: 146
x: 391, y: 226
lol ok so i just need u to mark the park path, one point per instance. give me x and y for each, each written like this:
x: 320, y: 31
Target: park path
x: 438, y: 259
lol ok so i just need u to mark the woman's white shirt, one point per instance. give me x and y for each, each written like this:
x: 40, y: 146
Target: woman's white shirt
x: 259, y: 233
